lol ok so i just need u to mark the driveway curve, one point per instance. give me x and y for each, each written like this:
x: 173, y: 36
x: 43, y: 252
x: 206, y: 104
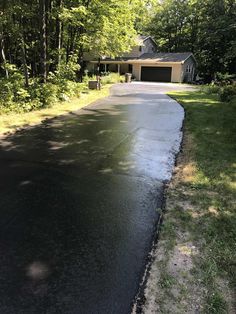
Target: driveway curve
x: 79, y: 200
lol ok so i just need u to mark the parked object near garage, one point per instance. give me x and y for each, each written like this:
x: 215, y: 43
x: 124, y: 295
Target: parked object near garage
x: 128, y: 77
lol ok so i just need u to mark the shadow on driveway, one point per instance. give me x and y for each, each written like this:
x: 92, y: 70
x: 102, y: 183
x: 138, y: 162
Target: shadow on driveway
x: 78, y: 204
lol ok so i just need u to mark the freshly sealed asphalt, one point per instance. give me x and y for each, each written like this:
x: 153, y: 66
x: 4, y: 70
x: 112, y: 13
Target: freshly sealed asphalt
x: 79, y: 200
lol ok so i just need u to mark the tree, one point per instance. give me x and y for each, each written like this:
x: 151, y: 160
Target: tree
x: 205, y: 27
x: 101, y: 28
x: 170, y: 25
x: 2, y: 40
x: 43, y: 40
x: 216, y: 35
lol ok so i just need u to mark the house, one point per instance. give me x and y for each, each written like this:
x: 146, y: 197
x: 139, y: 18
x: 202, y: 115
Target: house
x: 146, y: 64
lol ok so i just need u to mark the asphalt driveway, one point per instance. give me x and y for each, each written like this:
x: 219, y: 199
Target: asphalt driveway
x: 79, y: 200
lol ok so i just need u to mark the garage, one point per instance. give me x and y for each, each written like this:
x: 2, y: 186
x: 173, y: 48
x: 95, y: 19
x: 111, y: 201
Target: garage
x: 175, y: 67
x: 156, y: 74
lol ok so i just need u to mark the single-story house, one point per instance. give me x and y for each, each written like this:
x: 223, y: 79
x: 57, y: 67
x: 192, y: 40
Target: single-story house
x: 146, y: 64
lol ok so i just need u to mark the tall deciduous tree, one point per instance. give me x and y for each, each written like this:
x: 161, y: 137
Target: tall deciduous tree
x: 43, y: 40
x: 205, y: 27
x: 103, y: 28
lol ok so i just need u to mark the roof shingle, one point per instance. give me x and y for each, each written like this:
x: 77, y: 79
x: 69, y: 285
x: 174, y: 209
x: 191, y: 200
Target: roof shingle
x: 166, y: 57
x: 155, y: 57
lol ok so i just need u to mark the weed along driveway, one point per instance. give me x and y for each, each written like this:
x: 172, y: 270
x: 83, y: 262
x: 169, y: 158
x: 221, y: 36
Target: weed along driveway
x: 79, y: 202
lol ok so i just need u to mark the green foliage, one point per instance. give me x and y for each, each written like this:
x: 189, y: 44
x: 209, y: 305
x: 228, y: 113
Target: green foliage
x: 15, y: 97
x: 12, y: 89
x: 56, y: 56
x: 222, y: 89
x: 224, y: 78
x: 227, y: 92
x: 211, y: 89
x: 47, y: 94
x: 216, y: 304
x: 205, y: 27
x: 168, y: 26
x: 104, y: 27
x: 112, y: 78
x: 166, y: 280
x: 67, y: 70
x: 65, y: 79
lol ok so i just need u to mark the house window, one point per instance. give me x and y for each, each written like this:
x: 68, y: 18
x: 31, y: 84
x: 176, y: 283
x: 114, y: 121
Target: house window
x: 130, y: 68
x: 188, y: 69
x: 140, y: 48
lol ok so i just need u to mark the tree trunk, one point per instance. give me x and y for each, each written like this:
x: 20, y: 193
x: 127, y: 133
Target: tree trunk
x: 81, y: 52
x: 3, y: 55
x: 26, y: 74
x: 50, y: 29
x: 67, y: 50
x: 81, y: 63
x: 70, y: 42
x: 43, y: 41
x: 59, y: 32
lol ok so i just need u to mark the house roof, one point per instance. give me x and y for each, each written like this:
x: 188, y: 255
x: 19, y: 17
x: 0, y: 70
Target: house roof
x: 166, y: 57
x: 159, y: 57
x: 143, y: 37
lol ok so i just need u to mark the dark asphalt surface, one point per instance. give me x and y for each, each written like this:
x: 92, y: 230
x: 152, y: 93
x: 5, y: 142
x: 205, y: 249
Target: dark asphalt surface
x: 78, y: 203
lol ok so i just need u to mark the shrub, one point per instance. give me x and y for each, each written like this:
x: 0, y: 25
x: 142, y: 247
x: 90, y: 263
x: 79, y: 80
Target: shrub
x: 22, y: 95
x: 42, y: 95
x: 6, y: 91
x: 227, y: 92
x: 68, y: 70
x: 105, y: 73
x: 67, y: 89
x: 48, y: 94
x: 12, y: 89
x: 224, y: 78
x: 122, y: 79
x: 211, y: 89
x: 112, y: 78
x: 87, y: 78
x: 61, y: 86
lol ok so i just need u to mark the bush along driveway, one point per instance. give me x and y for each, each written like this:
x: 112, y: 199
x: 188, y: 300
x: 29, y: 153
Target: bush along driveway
x: 194, y: 262
x: 19, y: 117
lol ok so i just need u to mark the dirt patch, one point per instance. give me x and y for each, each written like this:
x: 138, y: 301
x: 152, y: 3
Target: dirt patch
x: 171, y: 287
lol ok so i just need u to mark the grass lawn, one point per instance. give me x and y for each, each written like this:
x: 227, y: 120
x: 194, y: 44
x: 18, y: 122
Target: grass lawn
x: 13, y: 121
x: 194, y: 270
